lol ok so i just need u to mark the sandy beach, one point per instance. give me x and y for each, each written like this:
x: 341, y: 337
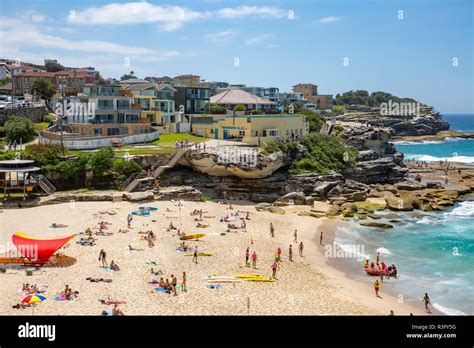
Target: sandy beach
x: 306, y: 286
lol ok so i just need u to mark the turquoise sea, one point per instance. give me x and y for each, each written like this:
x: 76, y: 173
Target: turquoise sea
x: 452, y: 149
x: 434, y: 252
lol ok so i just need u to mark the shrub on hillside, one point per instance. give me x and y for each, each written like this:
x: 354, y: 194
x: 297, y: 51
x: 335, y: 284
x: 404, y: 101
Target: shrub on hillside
x: 19, y: 129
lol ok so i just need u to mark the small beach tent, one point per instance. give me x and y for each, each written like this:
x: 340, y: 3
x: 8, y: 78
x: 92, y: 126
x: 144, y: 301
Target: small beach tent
x: 38, y: 250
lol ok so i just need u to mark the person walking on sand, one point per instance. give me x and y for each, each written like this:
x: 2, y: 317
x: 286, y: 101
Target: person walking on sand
x: 183, y: 283
x: 254, y: 259
x: 290, y: 253
x: 377, y: 259
x: 427, y: 302
x: 195, y: 255
x: 174, y: 284
x: 274, y: 270
x: 247, y: 255
x: 103, y: 257
x: 321, y: 238
x: 272, y: 230
x: 301, y: 248
x: 129, y: 220
x: 377, y: 287
x: 295, y: 237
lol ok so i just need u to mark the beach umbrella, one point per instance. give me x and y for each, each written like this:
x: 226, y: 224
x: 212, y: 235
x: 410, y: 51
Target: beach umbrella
x: 32, y: 298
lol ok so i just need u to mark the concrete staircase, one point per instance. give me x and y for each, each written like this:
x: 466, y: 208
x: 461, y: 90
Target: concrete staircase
x: 136, y: 181
x: 45, y: 185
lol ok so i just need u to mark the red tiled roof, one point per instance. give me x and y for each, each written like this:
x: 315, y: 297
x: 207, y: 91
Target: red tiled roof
x: 51, y: 74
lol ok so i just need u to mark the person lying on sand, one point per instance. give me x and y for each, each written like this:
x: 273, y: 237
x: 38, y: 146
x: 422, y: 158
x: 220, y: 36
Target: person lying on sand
x: 123, y: 230
x: 130, y: 248
x: 22, y: 305
x: 112, y: 302
x: 200, y: 225
x: 232, y: 226
x: 55, y: 225
x: 97, y: 280
x: 159, y: 272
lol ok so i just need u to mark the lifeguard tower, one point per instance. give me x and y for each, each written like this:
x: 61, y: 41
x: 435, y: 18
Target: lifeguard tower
x: 21, y: 175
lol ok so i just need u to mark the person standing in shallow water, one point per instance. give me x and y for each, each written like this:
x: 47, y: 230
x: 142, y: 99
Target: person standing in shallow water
x: 427, y: 302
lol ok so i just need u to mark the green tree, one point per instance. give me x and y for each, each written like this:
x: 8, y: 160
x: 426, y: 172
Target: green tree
x: 101, y: 161
x: 53, y: 66
x: 43, y: 87
x: 43, y: 154
x: 324, y: 153
x: 213, y: 108
x: 19, y: 129
x: 239, y: 107
x: 128, y: 76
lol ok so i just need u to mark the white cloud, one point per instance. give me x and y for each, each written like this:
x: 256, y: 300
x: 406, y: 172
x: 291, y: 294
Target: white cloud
x: 258, y: 39
x: 220, y: 36
x: 34, y: 16
x: 169, y: 17
x: 329, y: 20
x: 241, y: 11
x: 30, y: 36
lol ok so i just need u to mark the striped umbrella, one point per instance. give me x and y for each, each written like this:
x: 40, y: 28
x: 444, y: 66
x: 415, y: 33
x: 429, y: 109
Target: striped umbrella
x: 32, y: 298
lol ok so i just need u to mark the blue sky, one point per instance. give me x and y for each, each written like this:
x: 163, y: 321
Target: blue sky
x: 411, y: 56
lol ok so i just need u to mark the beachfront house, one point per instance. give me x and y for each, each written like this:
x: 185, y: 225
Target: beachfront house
x: 100, y: 116
x: 310, y: 95
x: 232, y: 97
x: 157, y: 106
x: 251, y: 129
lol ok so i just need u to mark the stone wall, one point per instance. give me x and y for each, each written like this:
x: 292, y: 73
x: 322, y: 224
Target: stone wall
x: 36, y: 114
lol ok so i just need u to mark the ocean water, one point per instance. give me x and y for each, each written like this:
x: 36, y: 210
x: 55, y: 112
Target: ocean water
x: 451, y: 149
x: 434, y: 253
